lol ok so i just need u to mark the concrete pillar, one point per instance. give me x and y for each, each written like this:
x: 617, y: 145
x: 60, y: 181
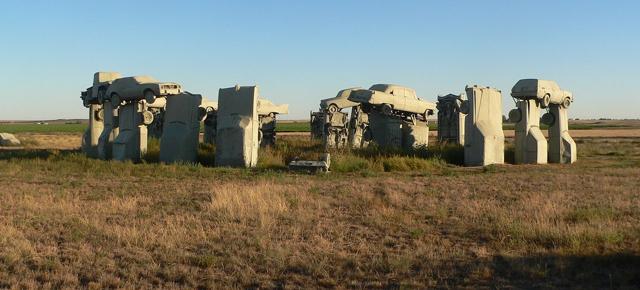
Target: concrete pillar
x: 335, y: 132
x: 415, y: 135
x: 267, y: 134
x: 317, y: 121
x: 531, y: 146
x: 238, y: 127
x: 359, y: 134
x: 181, y: 129
x: 91, y: 136
x: 131, y: 142
x: 110, y: 132
x: 210, y: 111
x: 450, y: 119
x: 484, y: 138
x: 386, y: 131
x: 562, y: 148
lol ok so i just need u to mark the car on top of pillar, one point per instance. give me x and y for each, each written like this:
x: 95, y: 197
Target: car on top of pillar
x: 340, y: 101
x: 545, y: 91
x: 393, y: 99
x: 140, y: 88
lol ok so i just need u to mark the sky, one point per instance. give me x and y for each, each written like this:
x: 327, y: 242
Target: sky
x: 299, y: 52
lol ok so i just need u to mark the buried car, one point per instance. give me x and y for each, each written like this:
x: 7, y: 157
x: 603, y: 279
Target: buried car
x: 547, y: 92
x: 140, y: 87
x: 340, y: 101
x: 266, y: 107
x: 393, y: 98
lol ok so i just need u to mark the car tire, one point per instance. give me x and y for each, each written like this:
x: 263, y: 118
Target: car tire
x: 566, y: 103
x: 332, y: 108
x: 149, y: 96
x: 387, y: 109
x: 545, y: 101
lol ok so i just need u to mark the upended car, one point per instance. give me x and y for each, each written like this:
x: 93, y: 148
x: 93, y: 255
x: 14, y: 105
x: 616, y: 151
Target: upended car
x: 340, y: 101
x: 547, y: 92
x: 139, y: 88
x: 393, y: 99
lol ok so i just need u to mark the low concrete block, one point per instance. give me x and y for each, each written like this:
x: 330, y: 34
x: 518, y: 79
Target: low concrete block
x: 7, y: 139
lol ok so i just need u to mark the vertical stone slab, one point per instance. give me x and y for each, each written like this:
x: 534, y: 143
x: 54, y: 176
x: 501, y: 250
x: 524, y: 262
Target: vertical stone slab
x: 181, y: 129
x: 386, y: 131
x: 359, y: 128
x: 335, y: 133
x: 210, y: 112
x: 238, y: 127
x: 90, y: 139
x: 450, y: 119
x: 415, y: 135
x: 562, y: 148
x: 484, y: 138
x: 267, y: 135
x: 317, y: 122
x: 531, y: 146
x: 131, y: 143
x: 110, y: 132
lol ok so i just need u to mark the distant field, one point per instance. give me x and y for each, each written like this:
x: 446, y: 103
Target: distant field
x: 303, y: 126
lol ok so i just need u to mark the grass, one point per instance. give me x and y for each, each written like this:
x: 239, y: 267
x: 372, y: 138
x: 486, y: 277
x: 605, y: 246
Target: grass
x: 381, y: 219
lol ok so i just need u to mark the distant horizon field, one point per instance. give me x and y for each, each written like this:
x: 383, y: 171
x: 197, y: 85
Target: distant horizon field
x: 79, y: 126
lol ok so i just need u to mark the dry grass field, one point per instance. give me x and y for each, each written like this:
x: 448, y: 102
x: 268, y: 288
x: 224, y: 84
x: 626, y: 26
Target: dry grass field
x: 379, y: 220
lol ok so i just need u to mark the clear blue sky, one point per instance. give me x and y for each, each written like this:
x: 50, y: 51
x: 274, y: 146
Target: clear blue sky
x: 299, y: 52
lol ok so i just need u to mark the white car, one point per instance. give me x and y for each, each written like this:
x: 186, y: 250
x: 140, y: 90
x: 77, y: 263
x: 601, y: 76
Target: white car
x: 393, y: 99
x: 340, y: 101
x: 547, y: 92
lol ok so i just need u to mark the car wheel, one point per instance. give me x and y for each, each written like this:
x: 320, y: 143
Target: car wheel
x: 147, y: 118
x: 566, y: 103
x: 547, y: 119
x: 546, y: 100
x: 149, y: 96
x: 387, y: 109
x: 333, y: 108
x: 115, y: 100
x: 99, y: 115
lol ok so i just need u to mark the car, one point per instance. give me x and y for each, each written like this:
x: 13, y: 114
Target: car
x: 266, y: 107
x: 340, y: 101
x: 140, y: 88
x: 547, y: 92
x: 95, y: 94
x: 393, y: 99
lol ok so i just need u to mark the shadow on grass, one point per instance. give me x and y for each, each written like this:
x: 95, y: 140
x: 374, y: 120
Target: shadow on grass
x: 612, y: 271
x: 43, y: 154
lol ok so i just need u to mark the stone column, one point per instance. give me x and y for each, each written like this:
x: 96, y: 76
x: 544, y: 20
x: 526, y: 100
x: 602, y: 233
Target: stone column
x: 131, y: 142
x: 358, y: 128
x: 91, y: 136
x: 110, y: 132
x: 531, y: 146
x: 415, y: 135
x: 181, y: 129
x: 386, y: 130
x: 238, y: 126
x: 335, y: 133
x: 450, y: 119
x: 484, y: 138
x: 562, y: 148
